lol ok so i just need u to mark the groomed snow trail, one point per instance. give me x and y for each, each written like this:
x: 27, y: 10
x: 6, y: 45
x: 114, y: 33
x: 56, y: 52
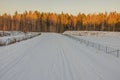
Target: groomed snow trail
x: 52, y: 56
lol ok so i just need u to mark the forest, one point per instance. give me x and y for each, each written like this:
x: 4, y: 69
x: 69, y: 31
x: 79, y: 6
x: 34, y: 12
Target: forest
x: 35, y: 21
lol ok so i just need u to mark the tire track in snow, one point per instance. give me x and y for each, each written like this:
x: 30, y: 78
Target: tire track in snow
x: 68, y: 75
x: 13, y: 59
x: 89, y: 60
x: 56, y: 58
x: 94, y: 63
x: 68, y: 66
x: 82, y: 65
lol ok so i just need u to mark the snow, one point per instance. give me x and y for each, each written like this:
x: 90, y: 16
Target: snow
x: 93, y: 33
x: 104, y: 41
x: 10, y: 33
x: 111, y: 39
x: 53, y: 56
x: 10, y: 37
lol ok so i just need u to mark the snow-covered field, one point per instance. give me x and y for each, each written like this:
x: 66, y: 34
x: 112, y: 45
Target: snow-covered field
x: 111, y: 39
x: 93, y: 33
x: 9, y: 37
x: 108, y: 42
x: 52, y: 56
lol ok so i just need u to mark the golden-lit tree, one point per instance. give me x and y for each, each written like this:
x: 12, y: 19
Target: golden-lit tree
x: 112, y: 20
x: 52, y: 22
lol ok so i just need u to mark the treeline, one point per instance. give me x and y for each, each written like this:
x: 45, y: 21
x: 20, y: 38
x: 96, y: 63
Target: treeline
x: 52, y: 22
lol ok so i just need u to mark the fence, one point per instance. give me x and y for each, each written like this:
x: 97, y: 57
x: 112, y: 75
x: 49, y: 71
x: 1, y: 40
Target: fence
x: 100, y: 47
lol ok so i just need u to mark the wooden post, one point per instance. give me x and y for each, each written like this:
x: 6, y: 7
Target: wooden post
x: 106, y: 49
x: 88, y: 43
x: 92, y: 44
x: 98, y: 46
x: 118, y: 53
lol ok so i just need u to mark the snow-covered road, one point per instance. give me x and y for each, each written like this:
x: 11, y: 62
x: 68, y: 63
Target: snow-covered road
x: 52, y: 56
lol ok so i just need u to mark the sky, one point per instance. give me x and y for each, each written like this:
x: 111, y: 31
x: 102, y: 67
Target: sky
x: 67, y: 6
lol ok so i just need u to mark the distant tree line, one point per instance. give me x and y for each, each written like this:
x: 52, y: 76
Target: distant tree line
x: 52, y: 22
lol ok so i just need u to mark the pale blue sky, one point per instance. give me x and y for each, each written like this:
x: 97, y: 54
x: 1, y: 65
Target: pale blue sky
x: 67, y: 6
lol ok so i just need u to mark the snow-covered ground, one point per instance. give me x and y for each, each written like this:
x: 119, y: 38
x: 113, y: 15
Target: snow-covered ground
x: 10, y: 33
x: 9, y: 37
x: 93, y: 33
x: 52, y: 56
x: 111, y: 39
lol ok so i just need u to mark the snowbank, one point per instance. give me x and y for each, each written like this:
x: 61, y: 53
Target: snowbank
x: 92, y: 33
x: 16, y: 37
x: 10, y: 33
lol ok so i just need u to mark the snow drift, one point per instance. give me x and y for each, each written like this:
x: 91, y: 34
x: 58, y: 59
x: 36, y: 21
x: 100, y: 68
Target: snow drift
x: 9, y: 37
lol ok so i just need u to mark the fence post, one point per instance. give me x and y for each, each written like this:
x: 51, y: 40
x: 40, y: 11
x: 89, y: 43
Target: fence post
x: 117, y: 53
x: 88, y: 43
x: 98, y: 46
x: 93, y: 44
x: 106, y: 49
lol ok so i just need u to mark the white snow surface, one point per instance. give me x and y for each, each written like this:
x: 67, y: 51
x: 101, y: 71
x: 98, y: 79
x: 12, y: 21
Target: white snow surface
x: 52, y: 56
x: 93, y: 33
x: 111, y: 39
x: 15, y: 36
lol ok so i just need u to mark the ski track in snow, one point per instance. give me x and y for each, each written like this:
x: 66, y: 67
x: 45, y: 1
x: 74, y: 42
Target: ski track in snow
x: 52, y: 56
